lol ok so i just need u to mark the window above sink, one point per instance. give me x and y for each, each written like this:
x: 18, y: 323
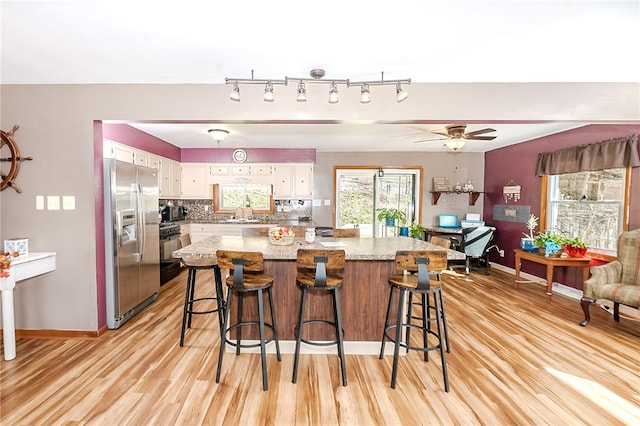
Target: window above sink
x: 227, y: 198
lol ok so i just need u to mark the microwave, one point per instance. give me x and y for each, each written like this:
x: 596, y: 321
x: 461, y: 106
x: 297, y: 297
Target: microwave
x: 173, y: 213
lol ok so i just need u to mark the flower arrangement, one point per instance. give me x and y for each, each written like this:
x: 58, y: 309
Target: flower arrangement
x: 575, y: 247
x: 5, y: 263
x: 531, y: 225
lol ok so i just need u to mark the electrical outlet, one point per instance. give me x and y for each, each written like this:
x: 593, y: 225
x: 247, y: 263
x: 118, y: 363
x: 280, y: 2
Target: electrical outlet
x: 287, y: 208
x: 501, y: 253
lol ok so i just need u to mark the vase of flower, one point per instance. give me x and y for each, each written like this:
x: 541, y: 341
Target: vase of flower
x: 527, y: 243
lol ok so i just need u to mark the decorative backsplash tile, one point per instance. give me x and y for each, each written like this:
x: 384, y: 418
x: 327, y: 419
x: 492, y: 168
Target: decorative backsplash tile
x: 202, y: 211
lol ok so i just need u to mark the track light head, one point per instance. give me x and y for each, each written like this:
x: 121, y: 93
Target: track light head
x: 235, y: 93
x: 302, y: 93
x: 365, y: 94
x: 268, y: 92
x: 401, y: 95
x: 333, y: 94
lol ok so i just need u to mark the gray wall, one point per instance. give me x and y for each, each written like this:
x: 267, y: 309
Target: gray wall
x: 56, y: 128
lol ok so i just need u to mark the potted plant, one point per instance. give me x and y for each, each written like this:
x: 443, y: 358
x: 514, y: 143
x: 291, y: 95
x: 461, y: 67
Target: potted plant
x: 527, y: 243
x: 549, y: 243
x: 390, y: 215
x: 415, y: 230
x: 575, y: 247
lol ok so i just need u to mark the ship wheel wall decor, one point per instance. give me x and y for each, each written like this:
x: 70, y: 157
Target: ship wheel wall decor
x: 10, y: 160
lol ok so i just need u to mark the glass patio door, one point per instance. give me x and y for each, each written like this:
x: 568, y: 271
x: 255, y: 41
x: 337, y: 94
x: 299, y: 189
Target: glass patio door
x: 360, y: 192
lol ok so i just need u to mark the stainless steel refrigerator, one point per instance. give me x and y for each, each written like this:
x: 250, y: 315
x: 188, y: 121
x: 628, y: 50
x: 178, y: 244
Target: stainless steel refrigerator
x: 131, y: 239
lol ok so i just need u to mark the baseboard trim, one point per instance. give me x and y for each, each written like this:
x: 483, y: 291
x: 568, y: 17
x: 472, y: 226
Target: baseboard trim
x: 558, y: 288
x: 58, y: 334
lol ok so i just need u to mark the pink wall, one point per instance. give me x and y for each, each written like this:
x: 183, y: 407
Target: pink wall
x: 518, y: 163
x: 258, y: 155
x: 135, y: 138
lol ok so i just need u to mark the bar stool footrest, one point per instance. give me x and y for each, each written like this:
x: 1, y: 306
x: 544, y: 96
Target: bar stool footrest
x: 234, y: 343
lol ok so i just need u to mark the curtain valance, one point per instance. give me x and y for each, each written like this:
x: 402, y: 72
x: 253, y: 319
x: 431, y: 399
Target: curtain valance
x: 608, y: 154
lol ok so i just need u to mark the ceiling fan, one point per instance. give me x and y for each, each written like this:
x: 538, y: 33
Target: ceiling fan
x: 455, y: 136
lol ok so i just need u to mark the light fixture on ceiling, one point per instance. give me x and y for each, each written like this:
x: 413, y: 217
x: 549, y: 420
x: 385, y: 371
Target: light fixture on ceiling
x: 268, y: 92
x: 455, y: 143
x: 401, y: 94
x: 317, y: 75
x: 235, y: 93
x: 365, y: 94
x: 218, y: 135
x: 333, y: 94
x: 302, y: 93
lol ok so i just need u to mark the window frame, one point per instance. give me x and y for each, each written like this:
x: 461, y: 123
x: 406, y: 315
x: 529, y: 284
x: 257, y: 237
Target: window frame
x: 599, y: 254
x: 217, y: 201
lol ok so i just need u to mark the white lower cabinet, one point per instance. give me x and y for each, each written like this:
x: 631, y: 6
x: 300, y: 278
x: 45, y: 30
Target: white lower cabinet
x: 200, y: 231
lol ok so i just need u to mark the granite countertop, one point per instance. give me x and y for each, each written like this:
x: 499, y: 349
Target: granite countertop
x: 289, y: 222
x: 355, y: 248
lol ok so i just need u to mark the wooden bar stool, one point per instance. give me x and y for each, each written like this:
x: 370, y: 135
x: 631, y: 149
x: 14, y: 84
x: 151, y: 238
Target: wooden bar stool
x: 194, y: 264
x: 346, y: 233
x: 407, y: 282
x: 247, y: 277
x: 313, y: 267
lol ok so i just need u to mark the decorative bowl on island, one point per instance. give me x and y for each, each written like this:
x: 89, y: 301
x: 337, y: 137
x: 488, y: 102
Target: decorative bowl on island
x: 281, y: 236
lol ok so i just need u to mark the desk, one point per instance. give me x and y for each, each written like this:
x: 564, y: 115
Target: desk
x: 436, y: 230
x: 550, y: 262
x: 364, y: 296
x: 22, y: 267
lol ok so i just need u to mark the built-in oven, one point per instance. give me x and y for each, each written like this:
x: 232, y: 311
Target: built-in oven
x: 169, y: 242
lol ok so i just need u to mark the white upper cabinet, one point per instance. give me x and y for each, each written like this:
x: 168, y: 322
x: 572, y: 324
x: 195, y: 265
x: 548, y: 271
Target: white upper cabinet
x: 194, y: 181
x: 169, y: 178
x: 293, y: 181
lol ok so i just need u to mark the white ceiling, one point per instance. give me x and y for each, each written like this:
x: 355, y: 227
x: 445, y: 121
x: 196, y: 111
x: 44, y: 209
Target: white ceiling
x: 66, y: 41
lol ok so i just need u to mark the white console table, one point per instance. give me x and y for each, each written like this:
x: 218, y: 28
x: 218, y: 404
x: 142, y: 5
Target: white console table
x: 22, y: 267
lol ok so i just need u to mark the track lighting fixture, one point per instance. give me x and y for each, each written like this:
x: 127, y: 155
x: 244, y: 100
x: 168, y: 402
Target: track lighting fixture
x: 333, y: 94
x: 235, y: 93
x: 365, y: 95
x: 268, y: 92
x: 317, y: 78
x: 401, y: 95
x: 302, y: 93
x: 218, y: 135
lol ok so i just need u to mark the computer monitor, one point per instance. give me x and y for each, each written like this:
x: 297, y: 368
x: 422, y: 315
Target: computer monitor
x: 448, y: 221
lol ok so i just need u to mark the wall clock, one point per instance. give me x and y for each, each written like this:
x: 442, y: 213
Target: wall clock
x: 10, y: 160
x: 239, y: 156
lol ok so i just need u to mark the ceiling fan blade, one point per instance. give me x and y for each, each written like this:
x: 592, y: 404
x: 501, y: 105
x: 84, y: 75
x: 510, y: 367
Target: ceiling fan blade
x: 440, y: 132
x: 480, y: 138
x: 429, y: 140
x: 479, y: 132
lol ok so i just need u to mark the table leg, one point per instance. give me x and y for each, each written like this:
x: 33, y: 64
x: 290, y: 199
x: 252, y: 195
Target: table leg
x: 8, y: 320
x: 549, y: 280
x: 517, y: 269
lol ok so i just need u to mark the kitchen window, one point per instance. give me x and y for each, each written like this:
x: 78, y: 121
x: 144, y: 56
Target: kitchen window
x: 229, y: 197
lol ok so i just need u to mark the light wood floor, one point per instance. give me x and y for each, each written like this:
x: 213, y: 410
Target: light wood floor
x: 515, y: 359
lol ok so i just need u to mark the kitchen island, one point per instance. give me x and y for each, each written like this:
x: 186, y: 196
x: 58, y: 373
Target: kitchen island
x: 364, y: 295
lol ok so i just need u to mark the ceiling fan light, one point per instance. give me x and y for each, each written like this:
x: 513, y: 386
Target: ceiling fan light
x: 235, y: 93
x: 218, y: 135
x: 365, y: 94
x: 302, y: 93
x: 455, y: 143
x: 333, y: 94
x: 401, y: 94
x: 268, y: 92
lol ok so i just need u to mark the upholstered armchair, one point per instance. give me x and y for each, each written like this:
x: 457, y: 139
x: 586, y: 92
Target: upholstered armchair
x: 617, y: 281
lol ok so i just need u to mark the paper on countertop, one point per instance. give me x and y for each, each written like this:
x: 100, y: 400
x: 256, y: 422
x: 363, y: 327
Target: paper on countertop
x: 332, y: 244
